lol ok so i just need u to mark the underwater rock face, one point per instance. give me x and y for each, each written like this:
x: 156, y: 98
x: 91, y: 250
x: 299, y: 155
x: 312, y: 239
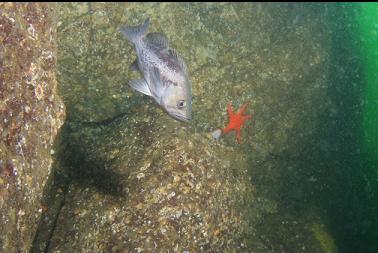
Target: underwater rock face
x: 144, y: 182
x: 31, y: 113
x: 172, y: 190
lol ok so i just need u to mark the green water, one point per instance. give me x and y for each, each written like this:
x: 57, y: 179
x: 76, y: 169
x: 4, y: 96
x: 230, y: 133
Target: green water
x: 354, y: 208
x: 368, y: 24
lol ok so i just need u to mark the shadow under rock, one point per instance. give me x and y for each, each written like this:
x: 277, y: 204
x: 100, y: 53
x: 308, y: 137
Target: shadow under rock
x: 71, y: 166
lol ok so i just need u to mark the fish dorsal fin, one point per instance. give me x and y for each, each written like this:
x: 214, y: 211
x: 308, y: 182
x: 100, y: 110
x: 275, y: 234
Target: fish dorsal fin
x: 178, y: 59
x: 159, y: 40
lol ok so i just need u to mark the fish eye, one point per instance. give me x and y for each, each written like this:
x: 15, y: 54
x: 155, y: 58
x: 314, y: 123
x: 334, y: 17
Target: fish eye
x: 181, y: 104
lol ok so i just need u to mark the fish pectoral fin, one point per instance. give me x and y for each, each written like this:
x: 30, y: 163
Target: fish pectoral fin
x: 134, y: 66
x: 140, y: 85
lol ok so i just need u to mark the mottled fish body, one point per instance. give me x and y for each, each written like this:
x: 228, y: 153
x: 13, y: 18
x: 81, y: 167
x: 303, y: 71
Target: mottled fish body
x: 165, y: 75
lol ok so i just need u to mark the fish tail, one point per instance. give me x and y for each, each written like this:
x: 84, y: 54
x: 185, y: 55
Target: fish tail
x: 135, y: 33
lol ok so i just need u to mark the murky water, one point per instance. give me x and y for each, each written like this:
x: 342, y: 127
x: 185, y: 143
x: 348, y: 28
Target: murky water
x: 127, y: 177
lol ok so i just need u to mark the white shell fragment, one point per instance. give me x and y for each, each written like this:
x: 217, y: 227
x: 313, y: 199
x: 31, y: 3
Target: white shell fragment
x: 217, y: 134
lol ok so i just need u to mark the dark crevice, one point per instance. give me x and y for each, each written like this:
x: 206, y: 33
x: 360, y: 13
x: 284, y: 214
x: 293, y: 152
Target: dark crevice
x: 53, y: 196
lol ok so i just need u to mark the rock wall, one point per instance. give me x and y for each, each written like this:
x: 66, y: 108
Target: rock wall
x: 31, y: 113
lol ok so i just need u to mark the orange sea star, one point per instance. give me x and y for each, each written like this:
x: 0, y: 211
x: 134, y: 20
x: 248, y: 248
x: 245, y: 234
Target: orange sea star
x: 236, y: 121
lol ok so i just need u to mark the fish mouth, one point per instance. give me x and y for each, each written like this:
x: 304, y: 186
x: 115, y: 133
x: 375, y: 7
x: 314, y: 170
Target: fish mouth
x: 182, y: 117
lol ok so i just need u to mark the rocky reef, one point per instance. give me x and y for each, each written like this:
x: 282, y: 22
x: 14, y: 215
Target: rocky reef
x: 129, y: 178
x: 31, y: 113
x: 132, y: 179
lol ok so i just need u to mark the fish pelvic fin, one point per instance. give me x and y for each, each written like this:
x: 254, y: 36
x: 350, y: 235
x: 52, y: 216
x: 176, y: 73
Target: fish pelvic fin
x: 135, y: 33
x: 134, y: 66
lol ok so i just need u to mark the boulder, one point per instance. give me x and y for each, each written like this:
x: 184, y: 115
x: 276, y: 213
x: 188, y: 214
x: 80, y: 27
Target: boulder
x: 31, y: 113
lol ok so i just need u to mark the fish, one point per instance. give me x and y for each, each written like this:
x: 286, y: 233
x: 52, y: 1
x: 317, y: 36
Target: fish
x: 164, y: 72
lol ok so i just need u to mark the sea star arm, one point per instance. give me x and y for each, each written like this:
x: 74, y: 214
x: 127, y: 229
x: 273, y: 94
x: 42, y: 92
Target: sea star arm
x: 247, y: 117
x: 238, y: 136
x: 227, y: 129
x: 243, y: 108
x: 230, y: 111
